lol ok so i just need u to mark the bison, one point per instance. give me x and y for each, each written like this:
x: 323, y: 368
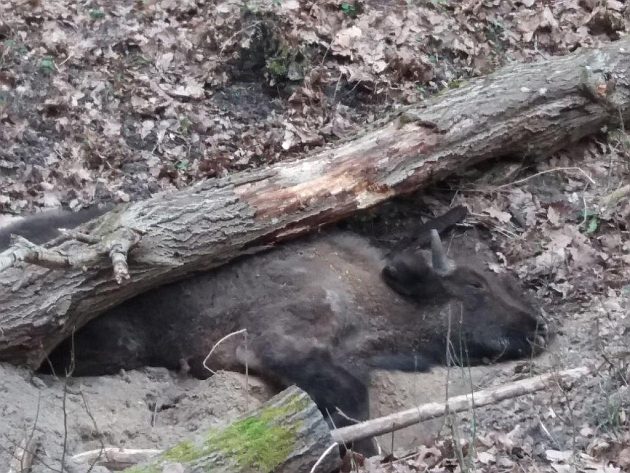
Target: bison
x: 319, y: 312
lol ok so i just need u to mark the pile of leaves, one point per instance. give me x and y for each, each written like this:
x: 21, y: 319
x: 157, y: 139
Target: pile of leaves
x: 107, y: 100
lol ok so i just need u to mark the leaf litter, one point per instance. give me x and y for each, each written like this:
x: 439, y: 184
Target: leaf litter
x: 115, y: 101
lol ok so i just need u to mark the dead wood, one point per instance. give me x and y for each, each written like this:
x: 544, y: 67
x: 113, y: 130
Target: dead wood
x: 527, y: 110
x: 312, y: 432
x: 287, y: 434
x: 402, y: 419
x: 24, y: 454
x: 114, y: 458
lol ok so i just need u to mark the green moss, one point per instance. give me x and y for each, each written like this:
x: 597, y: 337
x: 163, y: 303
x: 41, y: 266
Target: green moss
x: 349, y: 9
x: 285, y: 64
x: 456, y: 84
x: 277, y: 67
x: 47, y: 65
x: 97, y: 14
x: 185, y: 451
x: 256, y: 442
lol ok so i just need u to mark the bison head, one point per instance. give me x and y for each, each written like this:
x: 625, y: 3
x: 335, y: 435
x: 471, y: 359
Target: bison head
x: 482, y: 316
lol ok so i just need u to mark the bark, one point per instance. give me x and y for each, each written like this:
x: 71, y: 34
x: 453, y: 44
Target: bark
x: 287, y: 434
x: 528, y: 110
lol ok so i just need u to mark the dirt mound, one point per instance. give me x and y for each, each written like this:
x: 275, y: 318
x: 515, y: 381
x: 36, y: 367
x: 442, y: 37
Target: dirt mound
x: 150, y: 408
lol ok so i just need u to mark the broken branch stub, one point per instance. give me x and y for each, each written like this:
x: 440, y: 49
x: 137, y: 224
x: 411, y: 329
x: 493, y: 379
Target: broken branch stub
x: 527, y: 110
x: 116, y: 248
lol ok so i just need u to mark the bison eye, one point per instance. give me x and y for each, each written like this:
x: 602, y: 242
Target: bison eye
x: 476, y: 284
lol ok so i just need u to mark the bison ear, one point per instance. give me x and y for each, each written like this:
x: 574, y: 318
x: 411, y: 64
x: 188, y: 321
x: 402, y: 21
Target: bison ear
x: 442, y: 264
x: 405, y: 271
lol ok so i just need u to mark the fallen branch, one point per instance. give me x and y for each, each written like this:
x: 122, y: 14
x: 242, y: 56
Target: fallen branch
x: 116, y: 248
x: 23, y: 251
x: 400, y: 420
x: 114, y: 458
x: 525, y: 110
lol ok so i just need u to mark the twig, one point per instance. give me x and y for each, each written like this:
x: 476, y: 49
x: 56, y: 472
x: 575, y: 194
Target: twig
x: 114, y: 457
x: 322, y: 456
x: 545, y: 430
x: 74, y: 235
x: 246, y: 373
x: 229, y: 335
x: 525, y: 179
x: 65, y: 423
x: 32, y: 440
x: 116, y: 247
x: 615, y: 196
x: 23, y: 455
x: 24, y: 251
x: 399, y: 420
x: 96, y: 429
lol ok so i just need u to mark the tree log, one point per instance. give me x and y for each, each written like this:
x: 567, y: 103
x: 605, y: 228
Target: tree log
x: 527, y: 110
x: 287, y: 434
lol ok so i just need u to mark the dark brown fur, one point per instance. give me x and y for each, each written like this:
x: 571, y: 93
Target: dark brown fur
x: 44, y: 226
x: 320, y: 313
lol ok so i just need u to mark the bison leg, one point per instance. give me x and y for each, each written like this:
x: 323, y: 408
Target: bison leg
x: 104, y: 346
x: 408, y: 362
x: 340, y: 393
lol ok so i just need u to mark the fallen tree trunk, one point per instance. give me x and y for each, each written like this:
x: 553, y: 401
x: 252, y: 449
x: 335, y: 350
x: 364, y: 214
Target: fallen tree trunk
x: 527, y: 110
x: 287, y: 434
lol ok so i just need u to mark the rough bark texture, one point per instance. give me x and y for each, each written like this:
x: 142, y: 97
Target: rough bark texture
x: 528, y: 110
x: 287, y: 434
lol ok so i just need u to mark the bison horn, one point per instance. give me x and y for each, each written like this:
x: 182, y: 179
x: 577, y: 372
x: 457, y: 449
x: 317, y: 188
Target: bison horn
x: 441, y: 263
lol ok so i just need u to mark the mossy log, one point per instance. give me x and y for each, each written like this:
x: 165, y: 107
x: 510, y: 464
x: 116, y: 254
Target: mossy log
x: 525, y: 110
x: 287, y: 434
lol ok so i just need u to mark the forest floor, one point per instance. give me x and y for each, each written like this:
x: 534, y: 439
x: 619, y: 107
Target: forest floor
x: 112, y: 101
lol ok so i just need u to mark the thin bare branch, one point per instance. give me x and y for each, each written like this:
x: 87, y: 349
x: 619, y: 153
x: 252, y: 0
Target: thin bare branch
x: 402, y: 419
x: 24, y: 454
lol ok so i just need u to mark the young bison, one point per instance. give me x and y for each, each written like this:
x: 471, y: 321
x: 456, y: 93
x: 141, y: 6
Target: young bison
x: 320, y: 312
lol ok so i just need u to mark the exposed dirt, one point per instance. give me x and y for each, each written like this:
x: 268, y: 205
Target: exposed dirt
x: 118, y: 100
x: 147, y: 409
